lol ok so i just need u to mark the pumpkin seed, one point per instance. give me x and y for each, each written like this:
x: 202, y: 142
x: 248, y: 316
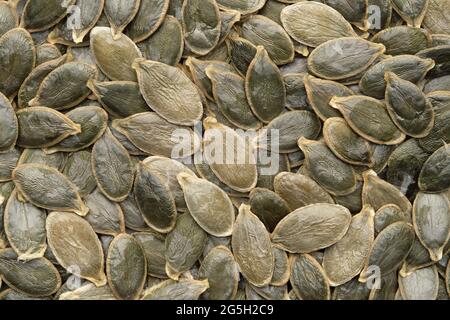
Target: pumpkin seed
x: 39, y: 15
x: 403, y: 40
x: 243, y: 6
x: 412, y: 12
x: 422, y: 284
x: 126, y: 267
x: 418, y: 257
x: 184, y: 289
x: 9, y: 127
x: 8, y: 161
x: 434, y: 176
x: 296, y: 97
x: 436, y: 16
x: 89, y: 292
x: 241, y: 53
x: 312, y: 228
x: 388, y: 288
x: 154, y: 248
x: 46, y: 52
x: 383, y: 10
x: 387, y: 215
x: 354, y: 11
x: 78, y: 169
x: 8, y: 16
x: 120, y: 13
x: 351, y: 290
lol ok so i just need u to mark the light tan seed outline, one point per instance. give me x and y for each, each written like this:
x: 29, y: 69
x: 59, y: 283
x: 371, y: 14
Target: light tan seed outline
x: 117, y: 29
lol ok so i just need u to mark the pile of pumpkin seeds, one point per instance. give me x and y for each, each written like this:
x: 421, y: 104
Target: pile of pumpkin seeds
x: 95, y: 204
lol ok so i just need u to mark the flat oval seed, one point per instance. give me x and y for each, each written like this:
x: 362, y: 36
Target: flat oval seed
x: 241, y: 53
x: 281, y: 268
x: 184, y: 245
x: 403, y: 40
x: 215, y: 216
x: 334, y: 175
x: 407, y: 67
x: 264, y: 87
x: 354, y: 11
x: 152, y: 134
x: 288, y: 127
x: 408, y: 106
x: 221, y: 270
x: 228, y: 90
x: 38, y: 156
x: 422, y: 284
x: 369, y: 118
x: 89, y: 292
x: 114, y: 57
x: 126, y: 267
x: 105, y: 217
x: 78, y: 169
x: 39, y: 15
x: 308, y: 279
x: 25, y: 228
x: 112, y: 167
x: 262, y: 31
x: 313, y: 23
x: 120, y: 13
x: 9, y: 126
x: 46, y: 52
x: 65, y: 87
x: 431, y: 218
x: 157, y: 48
x: 389, y: 249
x: 387, y: 215
x: 345, y: 143
x: 343, y: 58
x: 378, y: 193
x: 90, y: 12
x: 418, y: 258
x: 149, y: 17
x: 179, y: 102
x: 8, y: 161
x: 8, y: 16
x: 76, y: 246
x: 41, y: 127
x: 185, y: 289
x: 16, y: 46
x: 296, y: 98
x: 412, y: 12
x: 47, y: 188
x: 154, y: 199
x: 345, y: 259
x: 320, y: 92
x: 252, y: 248
x: 435, y: 173
x: 201, y: 25
x: 299, y: 190
x: 132, y: 215
x: 36, y: 278
x: 312, y: 228
x: 436, y: 17
x: 351, y: 290
x: 154, y: 248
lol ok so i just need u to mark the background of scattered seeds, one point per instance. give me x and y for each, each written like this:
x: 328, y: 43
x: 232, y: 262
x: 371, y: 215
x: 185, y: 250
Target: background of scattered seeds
x: 94, y: 206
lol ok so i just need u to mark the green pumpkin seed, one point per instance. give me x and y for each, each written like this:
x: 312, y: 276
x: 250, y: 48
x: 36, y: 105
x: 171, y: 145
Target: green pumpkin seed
x: 90, y: 12
x: 215, y: 217
x: 296, y: 98
x: 8, y: 161
x: 38, y: 156
x: 154, y: 248
x: 308, y: 279
x: 11, y: 294
x: 8, y: 16
x: 389, y: 249
x: 132, y: 216
x: 228, y: 18
x: 9, y: 127
x: 120, y: 13
x: 299, y: 190
x: 241, y: 53
x: 290, y: 126
x: 266, y: 175
x: 334, y: 175
x: 431, y: 217
x: 313, y: 23
x: 378, y: 193
x: 131, y: 148
x: 264, y: 87
x: 221, y: 271
x: 149, y: 17
x: 281, y: 268
x: 114, y: 57
x: 25, y: 228
x: 151, y: 134
x: 243, y: 6
x: 387, y: 215
x: 351, y: 290
x: 345, y: 143
x: 369, y: 118
x: 78, y: 169
x: 126, y: 267
x: 403, y: 40
x: 154, y: 199
x: 388, y: 288
x: 31, y: 84
x: 354, y: 11
x: 36, y: 278
x: 435, y: 173
x: 345, y: 259
x: 17, y: 59
x: 105, y: 217
x: 380, y: 156
x: 47, y: 188
x: 46, y: 52
x: 436, y: 17
x: 412, y: 12
x: 228, y: 90
x: 312, y: 228
x: 112, y: 167
x: 437, y: 84
x: 335, y: 59
x: 407, y: 67
x: 178, y: 103
x: 89, y: 292
x: 76, y: 246
x: 120, y: 98
x: 268, y: 206
x: 184, y: 245
x: 422, y: 284
x: 353, y: 200
x: 272, y: 10
x: 41, y: 15
x: 185, y: 289
x: 418, y: 258
x: 157, y: 48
